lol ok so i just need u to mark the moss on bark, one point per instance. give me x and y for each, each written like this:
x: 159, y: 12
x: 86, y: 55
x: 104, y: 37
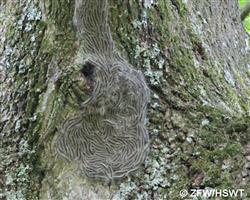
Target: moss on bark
x: 197, y: 68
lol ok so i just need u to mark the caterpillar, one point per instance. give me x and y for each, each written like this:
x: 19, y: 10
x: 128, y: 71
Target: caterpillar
x: 108, y: 138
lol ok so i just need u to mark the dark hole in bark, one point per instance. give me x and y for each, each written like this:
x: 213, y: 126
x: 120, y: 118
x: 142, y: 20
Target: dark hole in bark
x: 88, y: 70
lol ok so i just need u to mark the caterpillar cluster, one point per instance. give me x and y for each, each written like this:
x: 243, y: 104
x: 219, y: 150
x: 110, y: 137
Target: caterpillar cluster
x: 108, y: 138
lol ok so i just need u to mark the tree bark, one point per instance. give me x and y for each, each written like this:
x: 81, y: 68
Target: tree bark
x: 195, y: 57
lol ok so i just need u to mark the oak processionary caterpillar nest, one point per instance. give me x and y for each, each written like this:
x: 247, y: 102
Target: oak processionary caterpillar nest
x: 108, y: 138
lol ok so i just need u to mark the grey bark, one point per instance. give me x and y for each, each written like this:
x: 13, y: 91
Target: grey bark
x: 195, y: 57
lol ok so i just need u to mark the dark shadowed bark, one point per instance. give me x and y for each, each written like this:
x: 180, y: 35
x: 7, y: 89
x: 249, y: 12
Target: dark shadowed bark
x: 195, y: 58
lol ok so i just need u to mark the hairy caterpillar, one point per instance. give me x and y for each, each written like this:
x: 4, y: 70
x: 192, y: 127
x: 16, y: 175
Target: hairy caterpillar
x: 108, y: 138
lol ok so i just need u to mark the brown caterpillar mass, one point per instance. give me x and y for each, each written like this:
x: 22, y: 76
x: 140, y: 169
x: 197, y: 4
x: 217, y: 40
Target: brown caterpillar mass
x: 108, y: 138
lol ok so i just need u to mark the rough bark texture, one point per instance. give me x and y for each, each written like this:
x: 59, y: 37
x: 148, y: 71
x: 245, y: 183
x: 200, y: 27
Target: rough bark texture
x: 195, y: 56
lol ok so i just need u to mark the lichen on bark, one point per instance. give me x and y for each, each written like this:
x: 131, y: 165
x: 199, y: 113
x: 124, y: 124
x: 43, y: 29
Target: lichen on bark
x: 195, y: 57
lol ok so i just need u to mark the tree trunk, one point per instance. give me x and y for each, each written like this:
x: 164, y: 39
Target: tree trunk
x: 195, y: 57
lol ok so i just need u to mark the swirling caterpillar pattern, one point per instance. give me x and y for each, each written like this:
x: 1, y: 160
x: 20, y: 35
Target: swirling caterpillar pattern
x: 108, y: 138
